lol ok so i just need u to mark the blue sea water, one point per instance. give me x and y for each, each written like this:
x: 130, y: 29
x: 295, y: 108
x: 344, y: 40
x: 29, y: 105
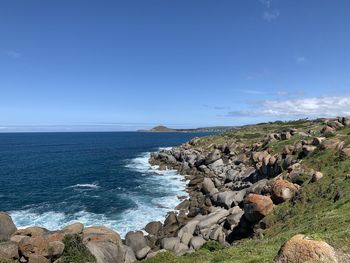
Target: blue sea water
x: 102, y: 178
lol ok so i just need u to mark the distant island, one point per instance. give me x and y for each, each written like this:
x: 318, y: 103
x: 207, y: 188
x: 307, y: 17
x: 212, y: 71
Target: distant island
x: 219, y: 129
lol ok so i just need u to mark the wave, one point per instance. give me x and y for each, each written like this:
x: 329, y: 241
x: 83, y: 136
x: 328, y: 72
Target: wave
x: 93, y: 186
x: 157, y: 194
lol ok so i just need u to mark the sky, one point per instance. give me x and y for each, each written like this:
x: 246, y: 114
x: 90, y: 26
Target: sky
x: 123, y: 65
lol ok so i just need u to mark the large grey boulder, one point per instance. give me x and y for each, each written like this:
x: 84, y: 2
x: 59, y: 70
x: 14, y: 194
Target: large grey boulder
x: 207, y: 185
x: 136, y: 241
x: 259, y: 187
x: 228, y: 199
x: 142, y: 253
x: 8, y: 250
x: 346, y: 121
x: 190, y: 227
x: 185, y: 238
x: 169, y: 243
x: 212, y: 218
x: 107, y: 252
x: 76, y: 228
x: 180, y: 249
x: 167, y: 157
x: 231, y: 175
x: 234, y: 218
x: 106, y: 245
x: 171, y: 219
x: 129, y: 255
x: 154, y: 228
x: 197, y: 242
x: 56, y: 248
x: 217, y: 234
x: 216, y: 166
x: 7, y: 227
x: 256, y: 207
x: 212, y: 157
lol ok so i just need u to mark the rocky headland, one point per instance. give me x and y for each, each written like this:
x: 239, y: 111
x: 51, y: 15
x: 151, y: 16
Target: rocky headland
x: 275, y: 192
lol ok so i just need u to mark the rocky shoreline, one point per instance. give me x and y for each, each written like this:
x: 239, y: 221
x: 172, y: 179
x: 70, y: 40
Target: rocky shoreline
x: 232, y: 187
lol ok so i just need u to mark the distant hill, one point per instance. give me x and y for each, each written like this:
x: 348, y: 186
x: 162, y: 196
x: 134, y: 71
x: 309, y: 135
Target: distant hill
x: 218, y: 129
x: 162, y: 128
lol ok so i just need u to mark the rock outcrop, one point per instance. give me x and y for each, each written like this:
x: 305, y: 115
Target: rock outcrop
x: 302, y: 249
x: 231, y: 188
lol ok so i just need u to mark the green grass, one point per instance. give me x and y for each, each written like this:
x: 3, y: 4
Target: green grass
x: 321, y: 210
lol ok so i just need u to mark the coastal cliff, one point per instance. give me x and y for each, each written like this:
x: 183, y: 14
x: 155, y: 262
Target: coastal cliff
x: 275, y: 192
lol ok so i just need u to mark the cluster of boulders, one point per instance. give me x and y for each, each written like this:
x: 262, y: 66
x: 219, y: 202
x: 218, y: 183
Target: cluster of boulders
x: 39, y: 245
x: 232, y: 187
x: 335, y: 124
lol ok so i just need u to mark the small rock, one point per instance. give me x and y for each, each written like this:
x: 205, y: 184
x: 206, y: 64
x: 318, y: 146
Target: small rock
x: 316, y: 176
x: 142, y: 253
x: 345, y: 153
x: 307, y: 149
x: 171, y: 219
x: 155, y: 253
x: 33, y: 258
x: 317, y: 141
x: 285, y: 135
x: 282, y: 190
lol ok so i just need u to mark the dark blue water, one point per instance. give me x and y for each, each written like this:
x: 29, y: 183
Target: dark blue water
x: 53, y: 179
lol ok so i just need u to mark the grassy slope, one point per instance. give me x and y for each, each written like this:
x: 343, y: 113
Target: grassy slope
x: 322, y: 210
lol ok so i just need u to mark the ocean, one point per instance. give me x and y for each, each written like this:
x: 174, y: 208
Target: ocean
x: 96, y: 178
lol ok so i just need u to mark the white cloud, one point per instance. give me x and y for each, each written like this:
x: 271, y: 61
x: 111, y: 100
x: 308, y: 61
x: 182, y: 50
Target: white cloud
x: 12, y: 54
x: 300, y: 60
x: 216, y: 107
x: 308, y: 107
x: 267, y: 3
x: 270, y: 15
x: 250, y: 91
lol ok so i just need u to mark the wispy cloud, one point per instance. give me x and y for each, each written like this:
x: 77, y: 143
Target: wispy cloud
x: 217, y: 107
x: 269, y: 14
x: 258, y: 74
x: 300, y: 60
x: 12, y: 54
x: 308, y: 107
x: 251, y: 91
x: 287, y: 93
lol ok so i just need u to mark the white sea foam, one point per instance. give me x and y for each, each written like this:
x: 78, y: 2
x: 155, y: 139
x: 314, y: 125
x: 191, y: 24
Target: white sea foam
x: 93, y: 186
x: 147, y: 208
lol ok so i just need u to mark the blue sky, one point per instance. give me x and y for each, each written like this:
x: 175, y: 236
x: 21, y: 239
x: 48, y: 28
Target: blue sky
x: 122, y: 65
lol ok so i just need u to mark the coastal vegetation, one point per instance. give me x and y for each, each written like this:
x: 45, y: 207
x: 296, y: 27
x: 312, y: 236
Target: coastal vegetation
x: 271, y: 192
